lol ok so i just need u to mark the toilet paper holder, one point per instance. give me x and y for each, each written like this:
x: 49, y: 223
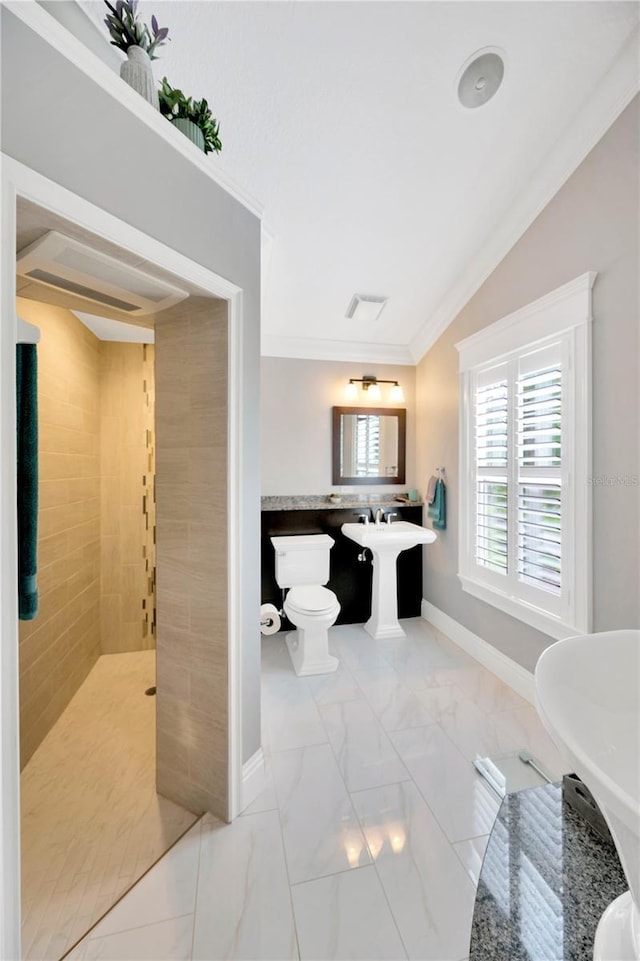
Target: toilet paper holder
x: 270, y: 619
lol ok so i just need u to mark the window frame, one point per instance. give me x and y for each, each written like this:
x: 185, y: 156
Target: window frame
x: 565, y: 316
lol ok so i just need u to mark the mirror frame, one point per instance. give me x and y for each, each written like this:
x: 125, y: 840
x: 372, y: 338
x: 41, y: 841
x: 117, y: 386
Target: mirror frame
x: 401, y: 414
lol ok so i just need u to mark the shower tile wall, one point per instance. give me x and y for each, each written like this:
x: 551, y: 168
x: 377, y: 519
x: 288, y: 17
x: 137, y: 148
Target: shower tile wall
x: 127, y: 578
x: 59, y: 647
x: 191, y: 420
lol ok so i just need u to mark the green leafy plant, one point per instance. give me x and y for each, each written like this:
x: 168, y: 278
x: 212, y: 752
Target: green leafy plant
x: 128, y: 30
x: 174, y: 104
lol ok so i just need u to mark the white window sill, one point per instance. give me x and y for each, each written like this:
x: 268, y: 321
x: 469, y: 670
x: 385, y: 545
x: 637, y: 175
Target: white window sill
x: 534, y: 616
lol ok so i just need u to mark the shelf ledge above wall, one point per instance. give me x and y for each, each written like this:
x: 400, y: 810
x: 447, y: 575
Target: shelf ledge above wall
x: 65, y: 43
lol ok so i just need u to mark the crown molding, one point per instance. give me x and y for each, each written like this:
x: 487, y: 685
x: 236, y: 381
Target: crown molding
x: 45, y: 26
x: 569, y: 304
x: 309, y: 348
x: 611, y: 95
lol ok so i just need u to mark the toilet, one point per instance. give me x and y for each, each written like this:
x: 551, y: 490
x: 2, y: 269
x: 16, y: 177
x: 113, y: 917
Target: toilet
x: 302, y: 565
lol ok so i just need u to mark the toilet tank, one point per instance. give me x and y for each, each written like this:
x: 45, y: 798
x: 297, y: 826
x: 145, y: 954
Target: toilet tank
x: 302, y: 559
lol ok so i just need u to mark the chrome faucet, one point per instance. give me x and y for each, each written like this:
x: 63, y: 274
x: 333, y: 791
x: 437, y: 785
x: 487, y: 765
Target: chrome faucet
x: 364, y: 518
x: 389, y: 516
x: 379, y: 516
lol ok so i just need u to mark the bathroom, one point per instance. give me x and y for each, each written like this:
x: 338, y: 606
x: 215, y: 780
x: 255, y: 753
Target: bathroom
x: 358, y: 825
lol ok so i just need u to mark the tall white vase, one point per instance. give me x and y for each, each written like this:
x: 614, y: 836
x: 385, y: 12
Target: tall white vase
x: 136, y: 71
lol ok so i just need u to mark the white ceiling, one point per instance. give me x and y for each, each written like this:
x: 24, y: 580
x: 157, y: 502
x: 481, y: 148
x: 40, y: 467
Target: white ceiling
x: 342, y: 119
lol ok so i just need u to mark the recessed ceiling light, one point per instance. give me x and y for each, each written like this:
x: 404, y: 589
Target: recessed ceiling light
x: 366, y: 307
x: 480, y: 77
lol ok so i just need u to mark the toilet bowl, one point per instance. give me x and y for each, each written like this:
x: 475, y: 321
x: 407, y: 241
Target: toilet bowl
x: 302, y: 565
x: 313, y: 610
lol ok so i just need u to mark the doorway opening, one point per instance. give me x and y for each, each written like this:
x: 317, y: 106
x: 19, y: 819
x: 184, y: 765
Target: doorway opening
x: 133, y: 581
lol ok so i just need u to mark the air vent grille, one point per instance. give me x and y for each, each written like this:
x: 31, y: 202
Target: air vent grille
x: 69, y: 265
x: 367, y: 307
x: 54, y: 281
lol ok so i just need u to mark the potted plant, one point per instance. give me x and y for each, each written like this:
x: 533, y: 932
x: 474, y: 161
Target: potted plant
x: 133, y: 37
x: 192, y: 117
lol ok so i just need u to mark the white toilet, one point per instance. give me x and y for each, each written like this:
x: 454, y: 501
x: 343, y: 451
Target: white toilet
x: 302, y: 564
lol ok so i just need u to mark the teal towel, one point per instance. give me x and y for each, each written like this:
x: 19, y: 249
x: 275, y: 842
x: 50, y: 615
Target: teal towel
x: 27, y: 476
x: 438, y: 509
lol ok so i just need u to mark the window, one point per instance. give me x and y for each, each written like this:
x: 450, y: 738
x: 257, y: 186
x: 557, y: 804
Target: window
x: 525, y: 509
x: 367, y: 445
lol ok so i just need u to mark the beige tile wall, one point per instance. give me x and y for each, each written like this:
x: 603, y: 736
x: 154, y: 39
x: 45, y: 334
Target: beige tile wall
x: 191, y: 592
x: 59, y: 647
x: 127, y: 455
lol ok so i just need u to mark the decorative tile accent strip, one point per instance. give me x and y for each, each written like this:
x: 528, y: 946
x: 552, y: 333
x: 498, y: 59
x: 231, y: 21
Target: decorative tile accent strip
x: 149, y: 496
x: 318, y: 502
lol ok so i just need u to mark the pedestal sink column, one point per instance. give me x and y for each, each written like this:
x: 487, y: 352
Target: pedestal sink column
x: 384, y: 598
x: 386, y: 541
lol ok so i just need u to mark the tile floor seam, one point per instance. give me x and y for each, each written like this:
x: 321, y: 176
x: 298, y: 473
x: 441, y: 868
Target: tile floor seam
x: 195, y: 899
x: 286, y: 868
x: 438, y: 820
x: 342, y: 778
x: 422, y: 795
x: 380, y: 882
x: 384, y: 734
x: 472, y: 837
x: 365, y: 790
x: 135, y: 927
x: 323, y: 877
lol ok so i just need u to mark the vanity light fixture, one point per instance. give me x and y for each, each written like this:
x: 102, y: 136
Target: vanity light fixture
x: 371, y: 385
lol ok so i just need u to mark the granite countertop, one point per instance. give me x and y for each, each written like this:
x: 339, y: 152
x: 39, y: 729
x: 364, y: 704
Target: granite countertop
x: 319, y: 502
x: 546, y: 879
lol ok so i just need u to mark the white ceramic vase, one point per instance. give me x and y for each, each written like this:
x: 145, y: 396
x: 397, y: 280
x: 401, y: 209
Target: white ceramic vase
x: 136, y: 71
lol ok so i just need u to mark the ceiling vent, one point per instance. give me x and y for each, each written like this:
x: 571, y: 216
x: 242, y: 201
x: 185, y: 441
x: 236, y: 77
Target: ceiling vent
x: 70, y: 266
x: 365, y: 307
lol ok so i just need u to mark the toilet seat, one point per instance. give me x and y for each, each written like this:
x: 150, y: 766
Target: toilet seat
x: 311, y: 599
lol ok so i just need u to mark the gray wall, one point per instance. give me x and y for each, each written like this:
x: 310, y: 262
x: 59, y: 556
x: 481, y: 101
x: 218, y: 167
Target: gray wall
x: 591, y: 224
x: 60, y: 123
x: 297, y: 397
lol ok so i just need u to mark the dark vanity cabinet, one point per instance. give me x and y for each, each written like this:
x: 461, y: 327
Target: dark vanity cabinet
x: 350, y: 578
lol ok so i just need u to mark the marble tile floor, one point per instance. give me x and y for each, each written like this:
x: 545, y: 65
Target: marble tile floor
x: 92, y: 822
x: 367, y: 840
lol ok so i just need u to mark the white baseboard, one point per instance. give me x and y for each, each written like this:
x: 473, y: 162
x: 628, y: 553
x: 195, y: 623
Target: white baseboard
x: 517, y: 677
x: 253, y: 779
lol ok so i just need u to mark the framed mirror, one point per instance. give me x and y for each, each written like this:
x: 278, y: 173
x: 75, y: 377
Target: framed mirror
x: 369, y: 445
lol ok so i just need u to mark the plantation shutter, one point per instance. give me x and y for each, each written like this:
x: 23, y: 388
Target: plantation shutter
x: 539, y: 469
x: 367, y: 445
x: 525, y: 498
x: 517, y: 478
x: 491, y: 430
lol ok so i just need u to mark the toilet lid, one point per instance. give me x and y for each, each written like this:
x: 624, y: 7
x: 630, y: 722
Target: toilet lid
x: 314, y: 599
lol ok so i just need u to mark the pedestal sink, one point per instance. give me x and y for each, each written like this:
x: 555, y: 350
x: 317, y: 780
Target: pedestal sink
x: 385, y: 541
x: 588, y: 697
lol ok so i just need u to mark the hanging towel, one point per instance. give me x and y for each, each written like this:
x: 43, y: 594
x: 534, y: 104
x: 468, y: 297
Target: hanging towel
x: 27, y: 476
x: 431, y: 489
x: 438, y: 510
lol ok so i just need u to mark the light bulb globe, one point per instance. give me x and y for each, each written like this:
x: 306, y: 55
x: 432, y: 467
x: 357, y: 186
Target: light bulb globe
x: 351, y: 392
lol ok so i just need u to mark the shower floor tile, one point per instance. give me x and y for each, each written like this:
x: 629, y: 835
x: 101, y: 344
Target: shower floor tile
x: 92, y: 822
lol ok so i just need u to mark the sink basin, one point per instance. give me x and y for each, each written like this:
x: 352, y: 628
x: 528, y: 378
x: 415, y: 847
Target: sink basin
x: 588, y: 697
x: 385, y: 541
x: 388, y: 537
